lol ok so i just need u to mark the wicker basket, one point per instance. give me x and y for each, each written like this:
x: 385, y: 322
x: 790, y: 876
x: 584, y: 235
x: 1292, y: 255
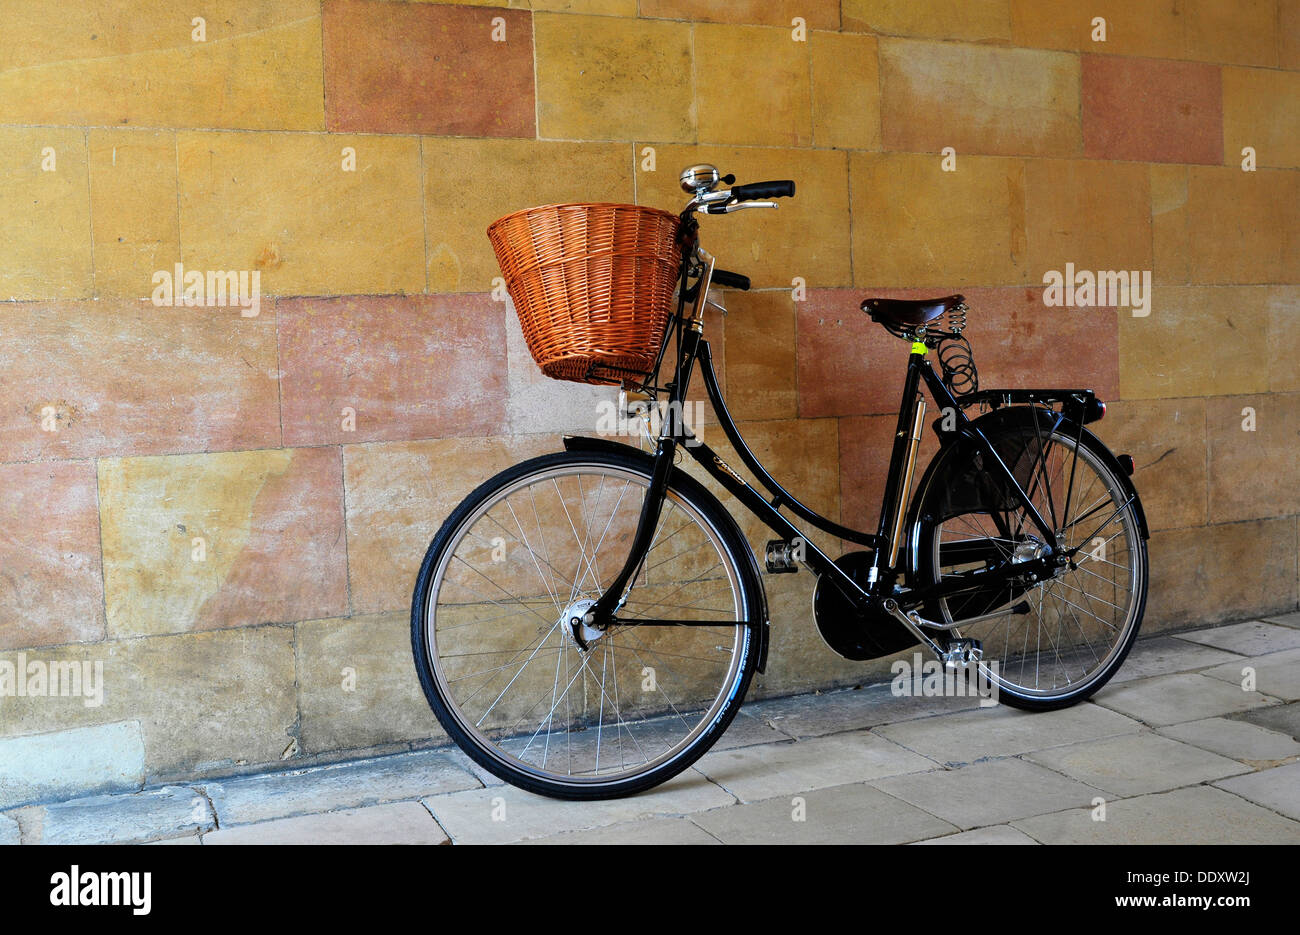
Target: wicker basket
x: 593, y: 286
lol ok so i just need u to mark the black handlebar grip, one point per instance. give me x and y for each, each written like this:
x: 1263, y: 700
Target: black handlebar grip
x: 731, y: 280
x: 782, y: 189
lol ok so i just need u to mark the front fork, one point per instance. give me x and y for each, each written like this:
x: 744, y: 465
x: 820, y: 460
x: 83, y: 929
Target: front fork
x: 601, y: 614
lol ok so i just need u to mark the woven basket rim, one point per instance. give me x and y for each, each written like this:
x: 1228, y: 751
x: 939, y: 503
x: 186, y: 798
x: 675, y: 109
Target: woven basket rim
x: 523, y: 212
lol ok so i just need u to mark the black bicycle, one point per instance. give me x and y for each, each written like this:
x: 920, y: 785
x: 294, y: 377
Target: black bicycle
x: 586, y: 623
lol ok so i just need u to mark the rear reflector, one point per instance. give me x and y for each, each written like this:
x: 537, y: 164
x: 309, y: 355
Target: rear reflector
x: 1126, y: 462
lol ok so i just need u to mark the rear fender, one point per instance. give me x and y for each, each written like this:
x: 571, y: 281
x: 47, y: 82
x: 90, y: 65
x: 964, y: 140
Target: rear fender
x: 990, y: 423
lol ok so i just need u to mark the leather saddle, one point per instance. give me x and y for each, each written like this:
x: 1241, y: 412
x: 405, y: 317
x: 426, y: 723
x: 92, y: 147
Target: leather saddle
x: 909, y: 313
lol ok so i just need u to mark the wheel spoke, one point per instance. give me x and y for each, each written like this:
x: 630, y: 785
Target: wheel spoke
x: 1079, y: 618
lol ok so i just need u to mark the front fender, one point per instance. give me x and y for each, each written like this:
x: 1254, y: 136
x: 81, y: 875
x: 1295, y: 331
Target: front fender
x: 683, y: 481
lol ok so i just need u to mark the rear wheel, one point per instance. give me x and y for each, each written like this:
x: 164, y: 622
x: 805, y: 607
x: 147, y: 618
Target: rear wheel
x: 1081, y: 621
x: 581, y: 713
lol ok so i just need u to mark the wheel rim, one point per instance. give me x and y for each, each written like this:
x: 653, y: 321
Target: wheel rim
x: 516, y: 680
x: 1079, y: 621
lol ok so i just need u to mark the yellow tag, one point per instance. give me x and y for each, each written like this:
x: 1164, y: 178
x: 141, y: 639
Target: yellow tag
x: 918, y: 347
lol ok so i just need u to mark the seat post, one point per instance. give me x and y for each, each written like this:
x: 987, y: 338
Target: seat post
x: 910, y: 413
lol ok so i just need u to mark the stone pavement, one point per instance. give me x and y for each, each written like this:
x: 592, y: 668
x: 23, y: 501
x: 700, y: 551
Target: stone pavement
x: 1173, y: 750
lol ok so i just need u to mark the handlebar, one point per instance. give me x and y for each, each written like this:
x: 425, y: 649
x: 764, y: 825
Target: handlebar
x: 700, y: 181
x: 780, y: 189
x: 729, y: 279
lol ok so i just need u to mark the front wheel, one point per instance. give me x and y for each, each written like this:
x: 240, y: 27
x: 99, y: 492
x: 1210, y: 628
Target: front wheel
x: 574, y: 712
x: 1051, y: 642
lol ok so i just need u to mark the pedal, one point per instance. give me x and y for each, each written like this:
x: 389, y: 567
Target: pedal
x: 782, y: 556
x: 962, y: 653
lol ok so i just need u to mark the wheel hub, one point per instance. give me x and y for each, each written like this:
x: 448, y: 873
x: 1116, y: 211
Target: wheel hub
x: 1030, y: 548
x: 574, y: 624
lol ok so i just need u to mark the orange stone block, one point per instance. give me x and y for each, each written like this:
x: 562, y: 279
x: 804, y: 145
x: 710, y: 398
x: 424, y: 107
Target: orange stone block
x: 387, y: 368
x: 428, y: 68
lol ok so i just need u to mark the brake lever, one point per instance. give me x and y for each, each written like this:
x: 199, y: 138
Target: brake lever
x: 727, y: 209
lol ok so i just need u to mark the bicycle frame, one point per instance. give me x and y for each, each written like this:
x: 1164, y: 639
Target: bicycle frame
x: 887, y: 569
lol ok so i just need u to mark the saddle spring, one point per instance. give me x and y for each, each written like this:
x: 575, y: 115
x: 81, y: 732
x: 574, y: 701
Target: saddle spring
x: 956, y: 356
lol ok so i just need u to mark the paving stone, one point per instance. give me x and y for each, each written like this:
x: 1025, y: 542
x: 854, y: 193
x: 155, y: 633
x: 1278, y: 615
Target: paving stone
x: 1166, y: 655
x: 749, y: 731
x: 654, y: 831
x: 1237, y: 739
x: 1199, y: 815
x: 396, y: 823
x: 9, y: 831
x: 848, y: 814
x: 989, y: 793
x: 1252, y: 638
x: 1286, y: 620
x: 814, y: 715
x: 1170, y: 699
x: 504, y: 814
x: 1004, y: 731
x: 52, y: 765
x: 348, y: 785
x: 1277, y: 788
x: 756, y: 773
x: 126, y: 819
x: 1135, y: 764
x: 458, y: 756
x: 1282, y: 718
x: 997, y: 834
x: 1277, y: 674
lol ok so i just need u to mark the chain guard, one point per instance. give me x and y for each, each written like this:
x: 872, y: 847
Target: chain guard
x: 849, y: 632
